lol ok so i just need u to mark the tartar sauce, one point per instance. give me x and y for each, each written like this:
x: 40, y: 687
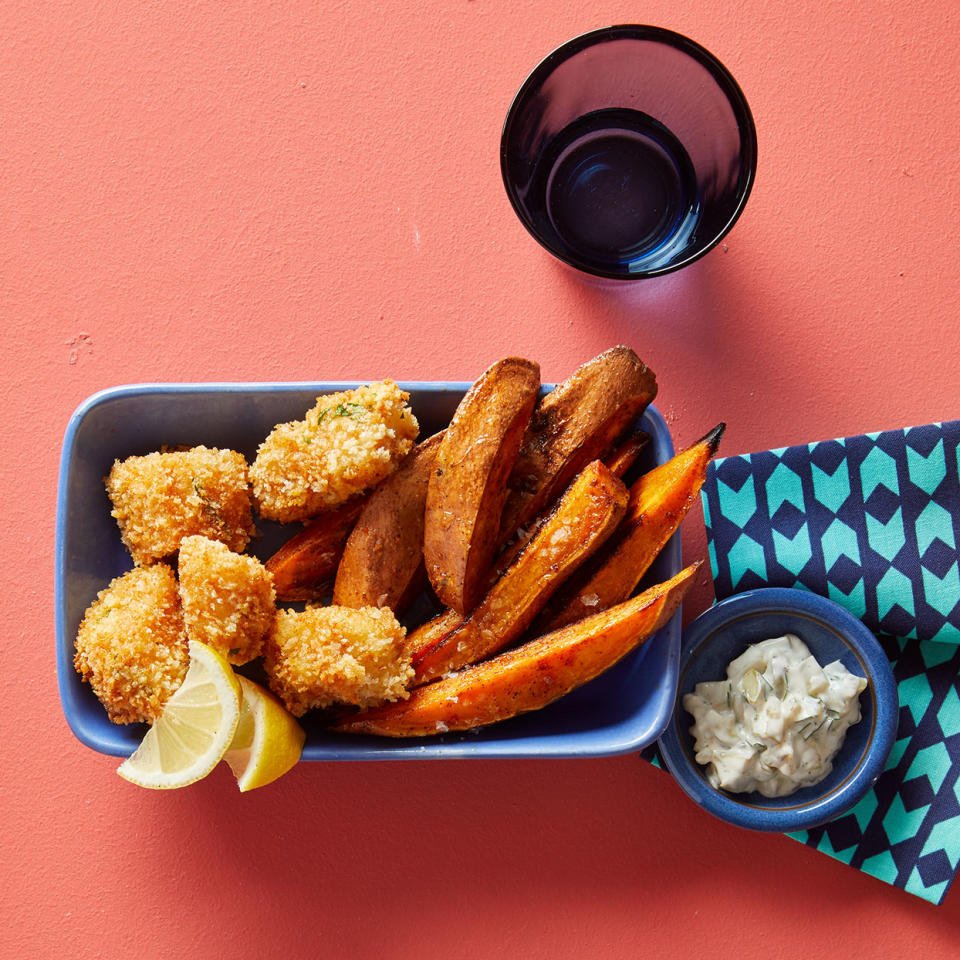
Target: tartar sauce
x: 777, y: 721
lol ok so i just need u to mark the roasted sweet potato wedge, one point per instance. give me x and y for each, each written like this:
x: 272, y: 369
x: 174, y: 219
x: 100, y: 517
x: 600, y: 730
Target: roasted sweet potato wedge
x: 659, y: 500
x: 584, y: 518
x: 619, y: 461
x: 305, y: 566
x: 429, y: 634
x: 468, y: 485
x: 382, y: 563
x: 579, y: 421
x: 531, y: 676
x: 624, y: 456
x: 434, y: 630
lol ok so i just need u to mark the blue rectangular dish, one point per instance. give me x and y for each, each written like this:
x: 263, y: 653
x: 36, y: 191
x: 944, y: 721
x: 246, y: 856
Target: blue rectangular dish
x: 625, y: 709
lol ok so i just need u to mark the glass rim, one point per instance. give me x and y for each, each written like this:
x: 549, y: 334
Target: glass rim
x: 725, y: 80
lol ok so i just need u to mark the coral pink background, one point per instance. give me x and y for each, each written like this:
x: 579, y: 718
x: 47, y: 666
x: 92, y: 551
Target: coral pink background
x: 309, y: 189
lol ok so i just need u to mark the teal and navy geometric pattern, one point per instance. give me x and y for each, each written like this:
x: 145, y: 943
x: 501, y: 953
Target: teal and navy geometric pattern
x: 871, y: 521
x: 906, y: 830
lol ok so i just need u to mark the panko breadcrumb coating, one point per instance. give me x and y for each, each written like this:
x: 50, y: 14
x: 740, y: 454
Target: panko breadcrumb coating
x: 228, y: 599
x: 327, y: 655
x: 131, y: 645
x: 163, y: 497
x: 349, y: 442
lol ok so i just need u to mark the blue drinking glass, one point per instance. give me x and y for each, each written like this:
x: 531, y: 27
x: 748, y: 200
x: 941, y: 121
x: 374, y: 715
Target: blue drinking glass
x: 629, y: 152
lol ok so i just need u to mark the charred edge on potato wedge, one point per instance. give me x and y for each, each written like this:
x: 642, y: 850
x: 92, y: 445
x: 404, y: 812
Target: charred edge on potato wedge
x: 625, y: 454
x: 531, y: 676
x: 429, y: 634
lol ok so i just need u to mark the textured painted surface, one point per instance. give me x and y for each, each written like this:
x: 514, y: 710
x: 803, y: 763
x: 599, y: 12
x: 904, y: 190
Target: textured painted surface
x: 311, y: 190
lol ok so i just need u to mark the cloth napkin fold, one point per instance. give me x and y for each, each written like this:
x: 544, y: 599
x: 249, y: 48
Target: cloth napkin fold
x: 873, y: 522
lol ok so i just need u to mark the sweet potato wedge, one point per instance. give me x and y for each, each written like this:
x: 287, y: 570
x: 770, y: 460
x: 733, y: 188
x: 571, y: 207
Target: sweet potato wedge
x: 659, y: 500
x: 579, y: 421
x: 305, y: 566
x: 530, y: 676
x: 429, y: 634
x: 619, y: 461
x: 584, y: 518
x: 468, y: 485
x: 425, y: 636
x: 624, y: 456
x: 382, y: 563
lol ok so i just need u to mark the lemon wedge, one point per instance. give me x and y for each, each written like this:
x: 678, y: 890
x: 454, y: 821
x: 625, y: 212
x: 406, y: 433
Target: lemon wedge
x: 195, y: 729
x: 268, y: 741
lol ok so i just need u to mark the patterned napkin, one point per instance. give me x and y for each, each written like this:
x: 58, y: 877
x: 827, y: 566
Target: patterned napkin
x: 872, y: 522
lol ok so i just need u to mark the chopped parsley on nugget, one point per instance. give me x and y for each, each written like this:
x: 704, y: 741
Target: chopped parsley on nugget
x: 347, y: 443
x: 163, y: 497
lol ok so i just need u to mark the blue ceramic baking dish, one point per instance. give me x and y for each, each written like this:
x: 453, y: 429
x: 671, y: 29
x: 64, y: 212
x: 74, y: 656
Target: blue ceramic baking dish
x: 623, y: 710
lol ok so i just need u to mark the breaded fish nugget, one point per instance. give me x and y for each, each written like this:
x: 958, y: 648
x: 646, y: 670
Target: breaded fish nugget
x: 327, y: 655
x: 131, y: 646
x: 347, y: 443
x: 163, y: 497
x: 228, y: 598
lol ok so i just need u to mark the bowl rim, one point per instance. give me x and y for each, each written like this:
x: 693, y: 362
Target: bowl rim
x: 867, y: 649
x: 609, y: 741
x: 696, y: 51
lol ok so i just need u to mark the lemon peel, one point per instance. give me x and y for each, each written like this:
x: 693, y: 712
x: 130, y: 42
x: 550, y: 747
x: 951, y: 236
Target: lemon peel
x: 268, y: 741
x: 195, y: 728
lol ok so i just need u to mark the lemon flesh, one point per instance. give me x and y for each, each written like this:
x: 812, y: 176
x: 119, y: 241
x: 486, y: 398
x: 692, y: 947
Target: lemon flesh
x: 195, y: 729
x: 268, y: 741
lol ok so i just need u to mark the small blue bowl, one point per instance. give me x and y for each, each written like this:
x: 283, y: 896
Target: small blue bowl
x: 621, y: 711
x: 832, y: 633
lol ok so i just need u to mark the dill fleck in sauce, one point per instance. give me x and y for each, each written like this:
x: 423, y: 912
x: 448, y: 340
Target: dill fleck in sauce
x: 776, y: 723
